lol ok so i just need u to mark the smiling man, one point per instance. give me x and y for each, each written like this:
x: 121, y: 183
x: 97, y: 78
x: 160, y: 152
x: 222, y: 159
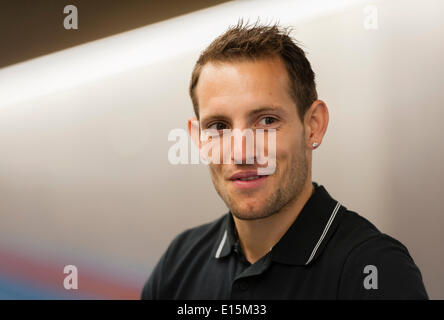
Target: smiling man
x: 284, y: 236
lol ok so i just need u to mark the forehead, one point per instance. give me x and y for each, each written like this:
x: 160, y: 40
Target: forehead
x: 242, y: 86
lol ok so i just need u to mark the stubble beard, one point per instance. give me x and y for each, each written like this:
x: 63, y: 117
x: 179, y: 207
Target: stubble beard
x: 289, y: 189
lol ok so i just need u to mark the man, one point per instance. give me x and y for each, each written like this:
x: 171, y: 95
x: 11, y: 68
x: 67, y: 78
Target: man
x: 284, y: 236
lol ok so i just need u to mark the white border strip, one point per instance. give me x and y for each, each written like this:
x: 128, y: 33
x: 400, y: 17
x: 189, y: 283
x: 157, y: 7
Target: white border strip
x: 221, y: 245
x: 333, y: 214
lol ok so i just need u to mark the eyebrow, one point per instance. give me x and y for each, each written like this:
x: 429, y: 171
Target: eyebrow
x: 250, y: 114
x: 267, y: 108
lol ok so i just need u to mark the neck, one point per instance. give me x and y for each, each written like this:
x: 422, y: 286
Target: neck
x: 257, y: 237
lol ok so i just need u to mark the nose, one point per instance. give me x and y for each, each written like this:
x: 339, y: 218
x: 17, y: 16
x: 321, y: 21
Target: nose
x: 243, y: 146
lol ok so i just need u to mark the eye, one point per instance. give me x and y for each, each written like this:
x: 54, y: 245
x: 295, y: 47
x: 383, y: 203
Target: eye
x: 266, y: 121
x: 218, y: 126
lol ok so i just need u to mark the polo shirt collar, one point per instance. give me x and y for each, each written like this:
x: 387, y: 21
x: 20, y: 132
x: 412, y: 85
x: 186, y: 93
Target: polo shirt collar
x: 227, y: 238
x: 306, y: 238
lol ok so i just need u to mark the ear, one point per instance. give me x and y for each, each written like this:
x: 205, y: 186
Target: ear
x: 316, y: 123
x: 194, y: 131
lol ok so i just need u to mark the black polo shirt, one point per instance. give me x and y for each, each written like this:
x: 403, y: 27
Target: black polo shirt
x: 329, y: 252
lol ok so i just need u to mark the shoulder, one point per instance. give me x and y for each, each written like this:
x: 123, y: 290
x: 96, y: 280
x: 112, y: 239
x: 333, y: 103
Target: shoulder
x: 375, y: 265
x: 200, y: 238
x: 186, y: 247
x: 354, y: 228
x: 357, y: 235
x: 349, y: 230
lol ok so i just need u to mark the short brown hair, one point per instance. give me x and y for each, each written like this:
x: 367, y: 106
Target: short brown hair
x: 244, y: 42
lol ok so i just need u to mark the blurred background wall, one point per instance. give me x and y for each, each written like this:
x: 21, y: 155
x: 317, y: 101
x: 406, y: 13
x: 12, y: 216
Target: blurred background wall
x: 84, y: 172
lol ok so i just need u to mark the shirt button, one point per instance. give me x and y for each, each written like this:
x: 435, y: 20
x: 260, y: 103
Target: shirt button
x: 243, y: 285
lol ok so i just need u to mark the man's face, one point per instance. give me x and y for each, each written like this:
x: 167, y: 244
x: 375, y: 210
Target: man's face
x: 254, y: 95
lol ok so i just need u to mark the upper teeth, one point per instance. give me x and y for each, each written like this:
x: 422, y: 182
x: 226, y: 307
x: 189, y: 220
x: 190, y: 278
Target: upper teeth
x: 249, y: 178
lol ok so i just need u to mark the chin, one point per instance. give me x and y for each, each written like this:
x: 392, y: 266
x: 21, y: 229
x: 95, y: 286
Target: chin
x: 249, y: 213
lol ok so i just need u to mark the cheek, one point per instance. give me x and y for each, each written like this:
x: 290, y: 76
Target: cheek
x: 287, y: 150
x: 285, y: 146
x: 216, y: 172
x: 213, y: 168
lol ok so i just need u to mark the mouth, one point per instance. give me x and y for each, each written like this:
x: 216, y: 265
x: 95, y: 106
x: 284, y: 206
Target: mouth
x: 247, y: 179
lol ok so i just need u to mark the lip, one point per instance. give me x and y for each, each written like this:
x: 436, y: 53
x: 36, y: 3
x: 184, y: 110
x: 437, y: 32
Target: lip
x: 249, y: 184
x: 243, y: 174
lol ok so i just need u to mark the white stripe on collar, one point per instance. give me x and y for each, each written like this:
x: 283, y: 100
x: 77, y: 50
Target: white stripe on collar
x: 221, y: 245
x: 327, y: 226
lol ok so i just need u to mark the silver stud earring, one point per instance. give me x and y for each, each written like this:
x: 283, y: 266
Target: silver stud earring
x: 315, y: 145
